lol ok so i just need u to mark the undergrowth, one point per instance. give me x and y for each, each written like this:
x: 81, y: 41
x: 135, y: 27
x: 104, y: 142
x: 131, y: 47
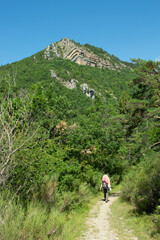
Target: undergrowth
x: 52, y: 218
x: 128, y: 222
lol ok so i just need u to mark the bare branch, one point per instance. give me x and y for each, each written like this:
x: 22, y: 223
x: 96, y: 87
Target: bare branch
x: 157, y: 117
x: 25, y: 141
x: 14, y: 151
x: 155, y: 144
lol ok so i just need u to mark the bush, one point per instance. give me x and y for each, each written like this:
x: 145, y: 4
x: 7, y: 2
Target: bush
x: 128, y: 185
x: 48, y: 192
x: 92, y: 177
x: 142, y: 185
x: 83, y: 193
x: 73, y: 199
x: 157, y: 218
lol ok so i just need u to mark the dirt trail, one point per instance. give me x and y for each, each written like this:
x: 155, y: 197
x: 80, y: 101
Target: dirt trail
x: 97, y: 223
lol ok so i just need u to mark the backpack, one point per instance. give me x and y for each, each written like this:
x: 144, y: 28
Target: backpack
x: 104, y: 185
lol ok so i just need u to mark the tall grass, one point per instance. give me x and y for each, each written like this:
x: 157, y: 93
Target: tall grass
x: 51, y: 217
x: 34, y: 222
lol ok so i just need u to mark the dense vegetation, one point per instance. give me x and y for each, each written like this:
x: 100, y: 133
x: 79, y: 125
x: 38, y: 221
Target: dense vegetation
x: 56, y: 142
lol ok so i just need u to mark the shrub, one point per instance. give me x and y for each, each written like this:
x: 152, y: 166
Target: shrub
x: 83, y: 193
x: 48, y: 192
x: 92, y: 178
x: 68, y: 200
x: 128, y: 185
x: 157, y: 218
x: 73, y: 199
x: 142, y: 185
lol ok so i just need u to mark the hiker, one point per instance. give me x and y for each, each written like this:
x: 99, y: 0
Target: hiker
x: 106, y: 186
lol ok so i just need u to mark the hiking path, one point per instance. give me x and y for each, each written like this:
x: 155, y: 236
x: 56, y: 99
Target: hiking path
x: 98, y: 223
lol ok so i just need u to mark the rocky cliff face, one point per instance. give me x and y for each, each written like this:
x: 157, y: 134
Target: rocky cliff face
x: 80, y: 54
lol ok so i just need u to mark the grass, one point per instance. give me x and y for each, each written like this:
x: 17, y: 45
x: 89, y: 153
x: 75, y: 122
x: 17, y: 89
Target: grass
x: 75, y: 225
x: 35, y: 222
x: 129, y: 224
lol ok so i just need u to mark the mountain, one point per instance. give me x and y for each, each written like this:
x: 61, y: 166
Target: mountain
x: 91, y: 69
x: 72, y: 93
x: 82, y: 54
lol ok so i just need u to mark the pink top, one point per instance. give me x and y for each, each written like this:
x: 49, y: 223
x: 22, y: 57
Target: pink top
x: 105, y: 178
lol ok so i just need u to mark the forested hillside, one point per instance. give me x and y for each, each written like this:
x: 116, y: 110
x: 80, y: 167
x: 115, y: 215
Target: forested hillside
x: 65, y: 123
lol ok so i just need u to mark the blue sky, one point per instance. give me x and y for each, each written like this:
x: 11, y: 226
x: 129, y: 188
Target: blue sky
x: 125, y: 28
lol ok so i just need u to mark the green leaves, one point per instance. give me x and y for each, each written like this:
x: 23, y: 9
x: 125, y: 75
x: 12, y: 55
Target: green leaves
x: 78, y: 137
x: 142, y: 186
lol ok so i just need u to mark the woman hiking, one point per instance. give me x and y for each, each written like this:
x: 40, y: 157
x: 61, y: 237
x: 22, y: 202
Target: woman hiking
x: 106, y: 186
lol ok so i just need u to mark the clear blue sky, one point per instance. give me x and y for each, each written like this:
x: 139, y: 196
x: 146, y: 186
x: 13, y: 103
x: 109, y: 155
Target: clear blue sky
x: 125, y: 28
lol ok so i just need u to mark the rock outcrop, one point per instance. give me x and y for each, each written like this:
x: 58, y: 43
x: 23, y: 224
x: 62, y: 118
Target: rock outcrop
x: 68, y: 84
x: 80, y: 54
x: 86, y: 90
x: 71, y: 84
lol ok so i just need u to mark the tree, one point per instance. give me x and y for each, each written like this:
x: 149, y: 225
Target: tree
x: 15, y: 130
x: 142, y: 111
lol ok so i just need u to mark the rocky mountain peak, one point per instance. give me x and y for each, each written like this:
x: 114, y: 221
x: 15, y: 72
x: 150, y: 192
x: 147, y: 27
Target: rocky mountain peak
x: 80, y: 54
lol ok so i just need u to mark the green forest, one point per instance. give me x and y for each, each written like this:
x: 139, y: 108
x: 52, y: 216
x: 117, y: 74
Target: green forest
x: 56, y: 143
